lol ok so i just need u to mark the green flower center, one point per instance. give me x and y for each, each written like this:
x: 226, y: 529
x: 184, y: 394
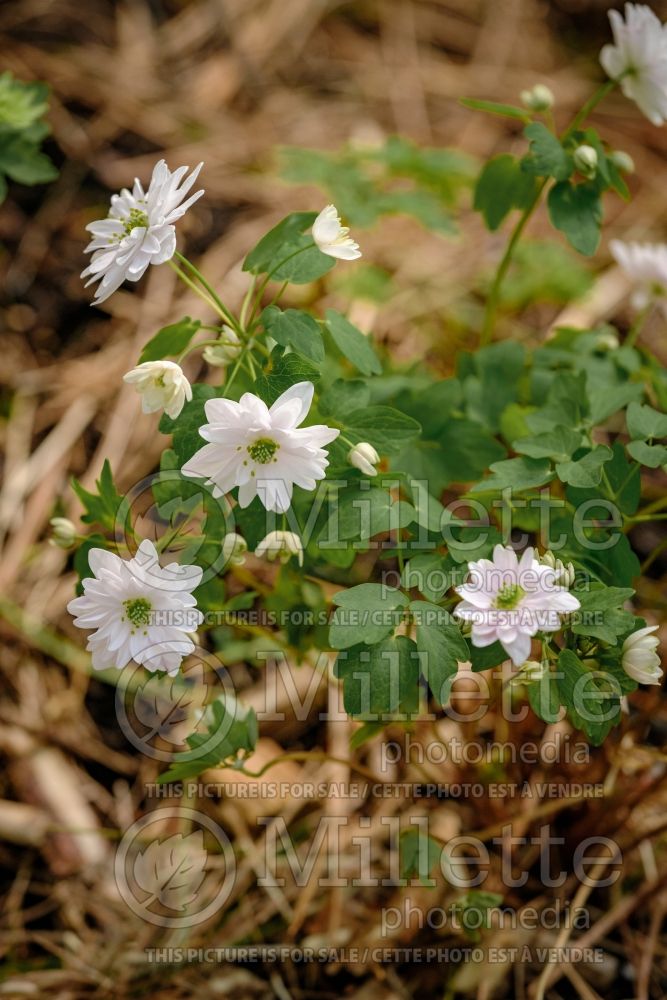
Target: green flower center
x: 136, y: 219
x: 262, y: 450
x: 509, y: 596
x: 138, y: 610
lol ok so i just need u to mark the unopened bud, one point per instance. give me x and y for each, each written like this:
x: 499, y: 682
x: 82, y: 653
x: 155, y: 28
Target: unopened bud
x: 364, y: 457
x: 538, y: 98
x: 280, y: 545
x: 63, y: 532
x: 607, y: 340
x: 586, y: 160
x: 228, y: 347
x: 531, y: 671
x: 622, y: 161
x: 234, y: 548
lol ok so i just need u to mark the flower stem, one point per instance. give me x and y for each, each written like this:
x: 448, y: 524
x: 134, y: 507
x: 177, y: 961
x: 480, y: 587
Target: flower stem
x: 494, y: 294
x: 204, y: 343
x: 637, y: 326
x: 267, y: 278
x: 220, y: 306
x: 193, y: 286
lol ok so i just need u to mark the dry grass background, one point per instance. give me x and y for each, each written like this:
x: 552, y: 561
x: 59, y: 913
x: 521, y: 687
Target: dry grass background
x: 226, y: 81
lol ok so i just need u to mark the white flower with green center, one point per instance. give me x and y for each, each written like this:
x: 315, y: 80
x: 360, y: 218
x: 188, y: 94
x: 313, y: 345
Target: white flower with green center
x: 509, y: 600
x: 280, y: 545
x: 332, y: 238
x: 262, y: 450
x: 139, y: 229
x: 646, y: 265
x: 139, y: 610
x: 638, y: 59
x: 639, y: 658
x: 162, y: 385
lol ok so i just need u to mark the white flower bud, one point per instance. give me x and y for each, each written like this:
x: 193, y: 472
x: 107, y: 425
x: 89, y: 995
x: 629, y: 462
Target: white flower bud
x: 234, y: 548
x: 564, y: 575
x: 162, y: 385
x: 332, y: 238
x: 229, y: 347
x: 280, y: 545
x: 622, y: 161
x: 538, y: 98
x: 531, y: 672
x: 64, y: 532
x: 607, y: 340
x: 364, y: 457
x: 586, y: 160
x: 639, y: 658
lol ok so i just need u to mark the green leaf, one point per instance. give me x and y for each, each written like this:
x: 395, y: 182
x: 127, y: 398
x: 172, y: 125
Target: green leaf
x: 494, y: 108
x: 624, y: 480
x: 518, y: 473
x: 544, y: 698
x: 485, y: 657
x: 430, y: 573
x: 644, y: 422
x: 352, y: 343
x: 365, y: 513
x: 365, y: 614
x: 600, y: 616
x: 418, y: 855
x: 547, y: 157
x: 587, y: 470
x: 591, y: 697
x: 576, y: 210
x: 170, y: 340
x: 294, y: 328
x: 185, y: 428
x: 495, y: 385
x: 21, y: 104
x: 287, y: 254
x: 278, y: 242
x: 502, y: 185
x: 230, y: 729
x: 462, y: 452
x: 387, y: 429
x: 284, y: 371
x: 441, y: 646
x: 607, y: 400
x: 475, y: 910
x: 104, y: 507
x: 381, y: 681
x: 558, y: 444
x: 24, y: 163
x: 650, y: 455
x: 344, y: 395
x: 566, y: 405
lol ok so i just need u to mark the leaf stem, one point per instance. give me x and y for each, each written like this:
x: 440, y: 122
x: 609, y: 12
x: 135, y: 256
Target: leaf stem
x: 494, y: 294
